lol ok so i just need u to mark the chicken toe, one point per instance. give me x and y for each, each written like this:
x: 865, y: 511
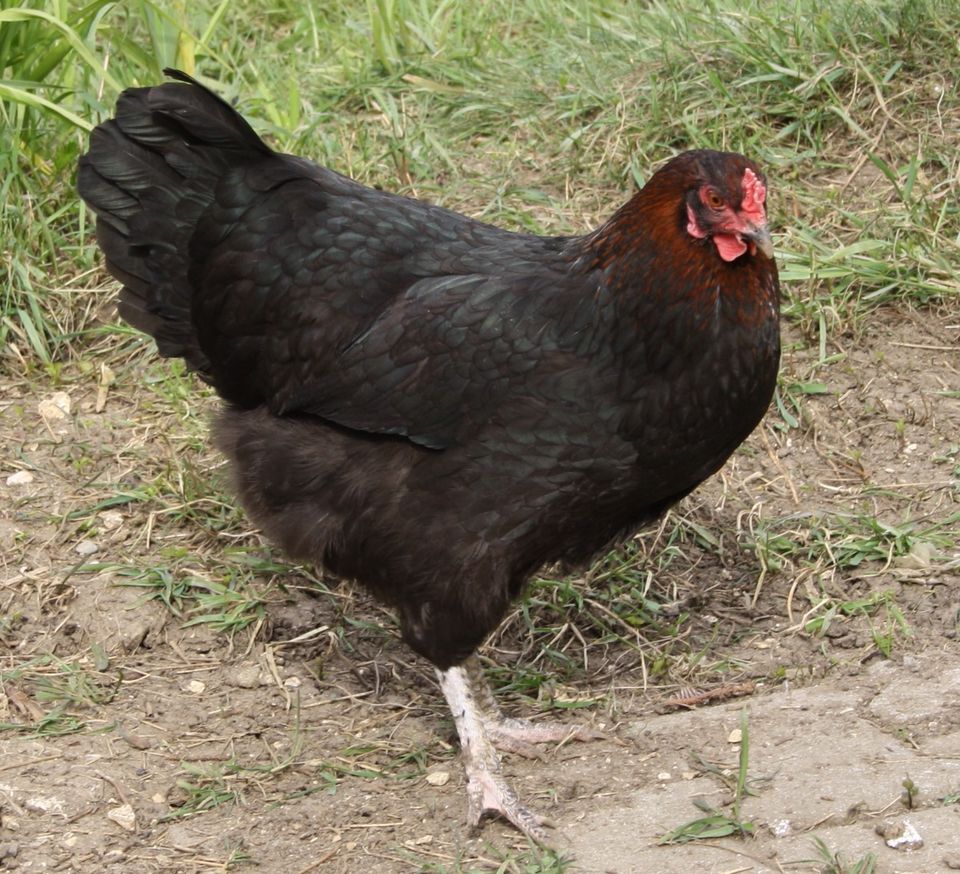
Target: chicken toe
x: 489, y: 794
x: 518, y: 735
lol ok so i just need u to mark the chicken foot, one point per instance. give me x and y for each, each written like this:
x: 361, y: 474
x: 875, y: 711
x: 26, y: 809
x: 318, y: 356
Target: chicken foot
x: 488, y: 793
x: 482, y: 727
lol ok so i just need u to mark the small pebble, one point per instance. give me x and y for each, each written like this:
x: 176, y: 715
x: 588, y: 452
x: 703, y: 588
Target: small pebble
x: 57, y: 406
x: 20, y: 478
x: 900, y: 835
x: 123, y: 816
x: 245, y: 677
x: 86, y: 547
x: 781, y: 828
x: 111, y: 520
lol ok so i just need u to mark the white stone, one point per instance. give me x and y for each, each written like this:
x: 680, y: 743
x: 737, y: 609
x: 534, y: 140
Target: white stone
x: 123, y: 816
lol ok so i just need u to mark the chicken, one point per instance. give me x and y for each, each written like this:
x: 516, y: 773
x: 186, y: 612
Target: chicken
x: 429, y: 405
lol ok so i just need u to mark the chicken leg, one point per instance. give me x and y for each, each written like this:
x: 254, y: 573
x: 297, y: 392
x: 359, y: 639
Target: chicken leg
x: 482, y: 728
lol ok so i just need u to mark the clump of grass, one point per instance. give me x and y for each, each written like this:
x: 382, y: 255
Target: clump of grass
x: 891, y: 628
x: 53, y: 723
x: 833, y: 863
x: 717, y: 824
x: 203, y: 788
x: 535, y: 860
x: 842, y: 541
x: 228, y: 604
x: 627, y: 612
x: 51, y: 692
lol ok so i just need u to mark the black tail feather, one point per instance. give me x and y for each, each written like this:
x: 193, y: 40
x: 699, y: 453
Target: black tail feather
x: 149, y: 175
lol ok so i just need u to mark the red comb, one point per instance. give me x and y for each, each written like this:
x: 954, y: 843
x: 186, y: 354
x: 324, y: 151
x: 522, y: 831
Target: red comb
x: 754, y: 194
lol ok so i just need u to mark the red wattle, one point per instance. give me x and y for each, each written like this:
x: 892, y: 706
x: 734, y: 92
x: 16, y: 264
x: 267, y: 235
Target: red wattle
x: 730, y: 246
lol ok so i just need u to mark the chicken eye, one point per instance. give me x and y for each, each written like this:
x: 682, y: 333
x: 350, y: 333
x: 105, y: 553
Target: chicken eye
x: 713, y: 200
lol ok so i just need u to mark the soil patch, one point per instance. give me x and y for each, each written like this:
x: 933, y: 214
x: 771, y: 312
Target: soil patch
x: 813, y: 582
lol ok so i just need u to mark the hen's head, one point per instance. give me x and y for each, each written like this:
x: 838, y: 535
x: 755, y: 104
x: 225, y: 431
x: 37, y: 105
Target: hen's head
x: 724, y: 195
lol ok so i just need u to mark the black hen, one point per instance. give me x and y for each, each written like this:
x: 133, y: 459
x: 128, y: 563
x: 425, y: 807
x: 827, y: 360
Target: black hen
x: 427, y: 404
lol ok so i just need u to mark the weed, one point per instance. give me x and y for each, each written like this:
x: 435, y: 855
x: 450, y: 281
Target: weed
x: 204, y: 788
x: 223, y: 607
x: 66, y: 685
x: 910, y: 793
x: 718, y: 824
x: 535, y: 860
x: 238, y: 856
x: 885, y: 634
x: 184, y: 587
x: 72, y: 685
x: 54, y: 723
x: 832, y: 863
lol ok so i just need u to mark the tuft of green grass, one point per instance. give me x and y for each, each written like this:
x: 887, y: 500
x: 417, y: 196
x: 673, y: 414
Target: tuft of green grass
x: 72, y: 685
x: 185, y: 589
x: 52, y: 691
x: 204, y: 788
x: 819, y: 547
x: 892, y: 627
x: 789, y: 398
x: 54, y: 723
x: 833, y: 863
x: 534, y: 860
x: 566, y: 627
x: 844, y: 541
x: 717, y: 824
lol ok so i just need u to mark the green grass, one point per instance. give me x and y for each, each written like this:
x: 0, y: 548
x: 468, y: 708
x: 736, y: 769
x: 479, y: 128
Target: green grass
x: 716, y: 823
x: 55, y: 693
x: 537, y: 115
x: 833, y: 862
x: 536, y: 860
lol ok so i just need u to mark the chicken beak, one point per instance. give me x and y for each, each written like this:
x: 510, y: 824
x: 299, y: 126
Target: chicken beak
x: 759, y: 235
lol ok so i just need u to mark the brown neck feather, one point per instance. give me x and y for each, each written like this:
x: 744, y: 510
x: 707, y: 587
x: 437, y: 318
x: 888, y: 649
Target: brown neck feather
x: 649, y: 259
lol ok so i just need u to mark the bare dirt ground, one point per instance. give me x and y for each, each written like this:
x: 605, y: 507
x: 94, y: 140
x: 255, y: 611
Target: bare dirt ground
x: 815, y: 582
